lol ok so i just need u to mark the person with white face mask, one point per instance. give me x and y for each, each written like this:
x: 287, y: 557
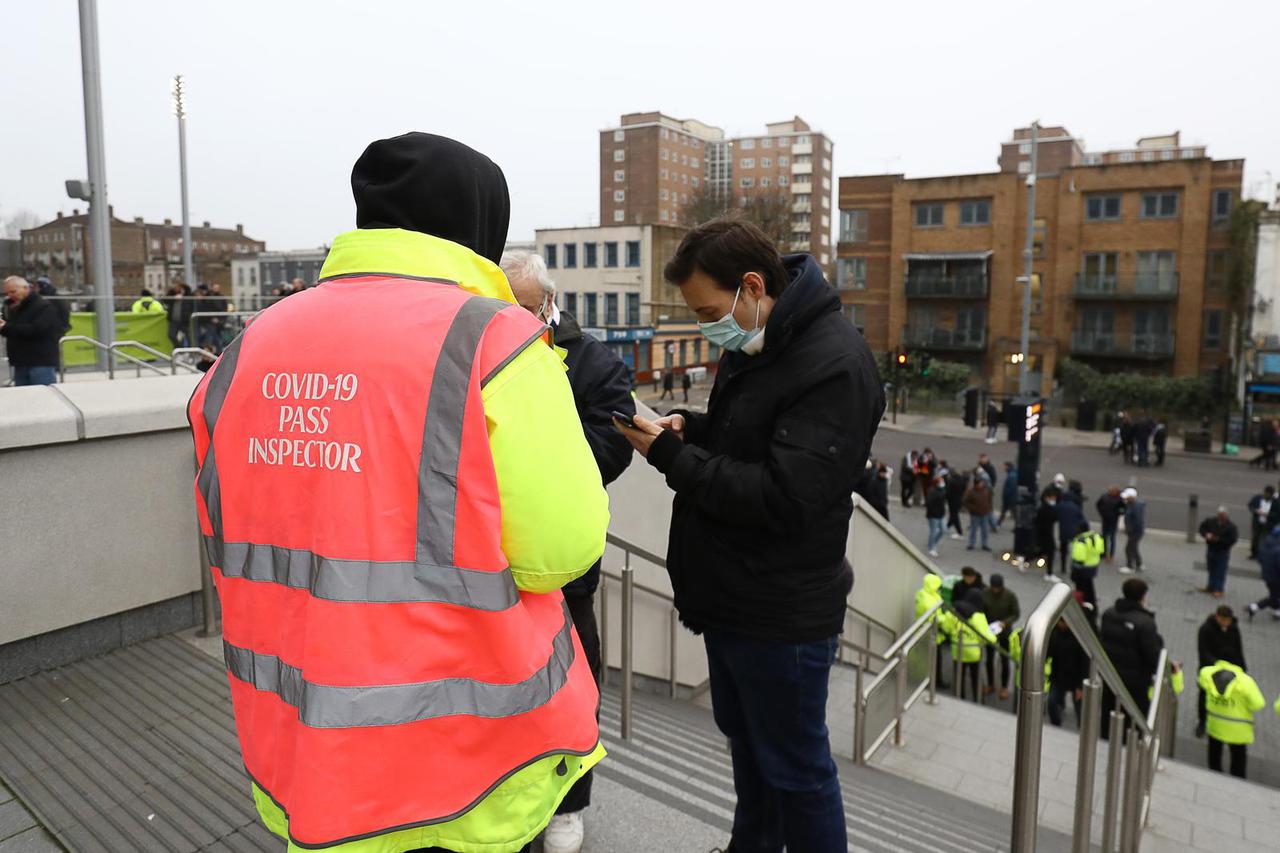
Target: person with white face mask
x: 763, y: 484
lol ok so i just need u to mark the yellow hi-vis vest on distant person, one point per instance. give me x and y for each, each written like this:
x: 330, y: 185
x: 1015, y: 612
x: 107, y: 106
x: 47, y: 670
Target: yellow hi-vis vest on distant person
x: 1087, y: 549
x: 974, y: 630
x: 928, y: 595
x: 147, y: 305
x: 1230, y: 698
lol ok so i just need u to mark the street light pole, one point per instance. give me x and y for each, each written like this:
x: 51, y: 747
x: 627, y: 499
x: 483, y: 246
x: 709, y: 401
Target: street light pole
x: 99, y: 210
x: 180, y: 111
x: 1028, y: 253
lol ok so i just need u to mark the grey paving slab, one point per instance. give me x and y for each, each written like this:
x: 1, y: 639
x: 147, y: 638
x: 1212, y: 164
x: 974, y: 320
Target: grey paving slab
x: 34, y: 840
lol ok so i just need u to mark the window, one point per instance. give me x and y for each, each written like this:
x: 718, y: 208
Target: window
x: 693, y: 161
x: 619, y: 175
x: 975, y: 212
x: 664, y: 215
x: 1024, y: 168
x: 1159, y: 205
x: 748, y: 163
x: 747, y: 183
x: 663, y: 173
x: 1099, y: 272
x: 764, y: 182
x: 851, y: 273
x: 1039, y: 229
x: 801, y: 179
x: 928, y: 216
x: 665, y: 133
x: 766, y: 163
x: 589, y: 255
x: 782, y: 180
x: 611, y: 254
x: 155, y: 245
x: 633, y: 253
x: 694, y: 180
x: 1215, y: 274
x: 784, y: 142
x: 853, y: 226
x: 1024, y: 148
x: 666, y: 155
x: 570, y: 256
x: 633, y: 309
x: 1221, y: 206
x: 663, y: 194
x: 766, y: 143
x: 589, y: 309
x: 802, y: 140
x: 783, y: 160
x: 619, y: 135
x: 1157, y: 272
x: 619, y: 155
x: 619, y: 195
x: 619, y: 216
x: 684, y: 179
x: 549, y: 255
x: 1099, y: 208
x: 748, y: 144
x: 857, y: 315
x: 571, y: 303
x: 1126, y: 156
x: 611, y: 309
x: 1213, y: 329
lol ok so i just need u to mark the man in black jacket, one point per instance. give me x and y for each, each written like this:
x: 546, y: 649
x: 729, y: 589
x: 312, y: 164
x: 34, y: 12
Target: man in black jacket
x: 601, y: 385
x: 1218, y: 639
x: 1069, y: 666
x: 1130, y: 638
x: 1220, y: 535
x: 31, y: 328
x: 759, y: 525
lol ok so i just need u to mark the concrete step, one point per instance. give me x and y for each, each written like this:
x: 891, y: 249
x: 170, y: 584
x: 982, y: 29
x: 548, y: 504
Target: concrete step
x: 677, y: 757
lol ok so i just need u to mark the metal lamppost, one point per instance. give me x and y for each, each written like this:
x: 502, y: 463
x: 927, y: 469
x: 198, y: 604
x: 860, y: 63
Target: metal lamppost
x: 180, y: 112
x: 99, y: 211
x: 1028, y: 253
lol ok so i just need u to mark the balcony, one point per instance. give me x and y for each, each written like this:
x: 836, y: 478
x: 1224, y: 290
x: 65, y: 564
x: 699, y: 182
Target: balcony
x: 800, y: 148
x: 1144, y: 346
x: 959, y: 286
x: 1143, y: 286
x: 805, y: 168
x: 802, y: 207
x: 938, y: 338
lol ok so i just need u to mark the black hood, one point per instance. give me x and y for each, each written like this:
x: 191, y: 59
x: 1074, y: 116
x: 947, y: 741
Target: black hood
x: 567, y: 329
x: 433, y: 185
x: 1222, y: 680
x: 806, y: 297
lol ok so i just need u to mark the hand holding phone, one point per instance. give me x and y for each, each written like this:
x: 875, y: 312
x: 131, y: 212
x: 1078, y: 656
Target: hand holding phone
x: 624, y: 419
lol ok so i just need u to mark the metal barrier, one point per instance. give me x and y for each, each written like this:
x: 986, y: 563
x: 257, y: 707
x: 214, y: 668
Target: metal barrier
x: 1141, y: 736
x: 895, y: 667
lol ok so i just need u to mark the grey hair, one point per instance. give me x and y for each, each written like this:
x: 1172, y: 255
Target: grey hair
x: 525, y: 265
x: 18, y: 280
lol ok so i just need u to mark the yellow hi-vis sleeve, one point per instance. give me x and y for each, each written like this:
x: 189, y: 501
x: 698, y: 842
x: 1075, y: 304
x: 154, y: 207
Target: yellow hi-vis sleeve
x: 554, y: 508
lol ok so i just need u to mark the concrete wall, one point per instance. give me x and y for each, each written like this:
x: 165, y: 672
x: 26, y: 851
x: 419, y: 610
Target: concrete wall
x: 96, y: 513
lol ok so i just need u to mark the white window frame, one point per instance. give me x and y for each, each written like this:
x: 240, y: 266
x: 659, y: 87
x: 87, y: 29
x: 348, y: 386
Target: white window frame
x: 619, y: 155
x: 619, y: 135
x: 619, y: 176
x: 619, y: 195
x: 746, y: 183
x: 747, y: 163
x: 747, y: 144
x: 619, y: 216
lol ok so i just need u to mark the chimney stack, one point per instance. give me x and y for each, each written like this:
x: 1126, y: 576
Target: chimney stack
x: 206, y: 224
x: 59, y: 216
x: 75, y: 211
x: 137, y: 220
x: 111, y: 211
x: 168, y: 222
x: 239, y: 228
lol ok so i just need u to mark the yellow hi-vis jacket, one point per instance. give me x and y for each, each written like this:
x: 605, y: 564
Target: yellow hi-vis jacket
x: 1087, y: 549
x: 531, y: 418
x: 1230, y: 698
x: 147, y: 305
x: 928, y: 595
x: 974, y: 630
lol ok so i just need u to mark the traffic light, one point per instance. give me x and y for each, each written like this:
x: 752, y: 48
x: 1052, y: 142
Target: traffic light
x: 902, y: 358
x: 926, y: 359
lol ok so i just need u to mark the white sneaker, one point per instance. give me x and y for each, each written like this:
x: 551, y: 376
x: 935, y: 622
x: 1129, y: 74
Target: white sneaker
x: 563, y: 834
x: 933, y: 552
x: 1125, y: 570
x: 956, y: 536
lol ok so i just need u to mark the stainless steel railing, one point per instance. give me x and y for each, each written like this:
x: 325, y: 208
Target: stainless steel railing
x: 1141, y: 736
x: 115, y: 349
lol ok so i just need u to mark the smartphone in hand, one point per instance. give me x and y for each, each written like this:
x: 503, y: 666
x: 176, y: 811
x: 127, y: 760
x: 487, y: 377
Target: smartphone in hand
x: 625, y: 420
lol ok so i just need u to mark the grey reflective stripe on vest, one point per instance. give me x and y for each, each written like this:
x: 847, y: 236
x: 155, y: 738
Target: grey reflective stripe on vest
x: 364, y: 580
x: 214, y: 396
x: 326, y: 706
x: 1230, y: 719
x: 442, y: 436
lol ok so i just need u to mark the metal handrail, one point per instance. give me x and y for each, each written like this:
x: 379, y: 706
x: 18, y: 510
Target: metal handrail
x: 1060, y: 603
x: 62, y: 361
x: 175, y: 364
x: 114, y: 350
x: 924, y: 628
x: 871, y: 620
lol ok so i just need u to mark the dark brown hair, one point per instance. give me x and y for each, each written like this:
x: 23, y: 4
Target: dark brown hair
x: 1133, y: 589
x: 726, y: 249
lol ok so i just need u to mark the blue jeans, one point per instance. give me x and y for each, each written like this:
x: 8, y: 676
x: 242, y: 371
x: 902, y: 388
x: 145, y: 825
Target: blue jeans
x: 770, y: 701
x: 1217, y: 564
x: 1109, y: 538
x: 35, y: 375
x: 937, y: 530
x: 978, y: 524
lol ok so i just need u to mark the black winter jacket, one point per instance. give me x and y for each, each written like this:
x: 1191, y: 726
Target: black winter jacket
x: 31, y: 331
x: 1070, y: 664
x: 601, y: 385
x: 1130, y: 638
x: 764, y: 479
x: 1214, y: 644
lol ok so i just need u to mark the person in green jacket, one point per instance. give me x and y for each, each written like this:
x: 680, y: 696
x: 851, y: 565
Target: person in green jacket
x: 1231, y: 699
x: 967, y: 626
x: 928, y: 595
x: 146, y: 304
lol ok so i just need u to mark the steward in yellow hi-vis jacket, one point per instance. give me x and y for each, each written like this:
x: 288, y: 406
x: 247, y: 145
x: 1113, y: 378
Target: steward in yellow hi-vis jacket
x: 1231, y: 698
x: 373, y: 492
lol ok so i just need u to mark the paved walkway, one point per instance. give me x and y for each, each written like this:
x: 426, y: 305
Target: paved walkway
x: 1175, y: 571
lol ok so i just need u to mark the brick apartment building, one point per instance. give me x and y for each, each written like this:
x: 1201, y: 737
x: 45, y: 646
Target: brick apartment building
x: 1130, y: 259
x: 652, y: 164
x: 142, y: 254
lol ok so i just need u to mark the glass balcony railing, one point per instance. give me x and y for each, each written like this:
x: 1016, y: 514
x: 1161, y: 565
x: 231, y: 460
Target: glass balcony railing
x: 934, y: 286
x: 1138, y: 345
x: 936, y: 337
x: 1139, y: 286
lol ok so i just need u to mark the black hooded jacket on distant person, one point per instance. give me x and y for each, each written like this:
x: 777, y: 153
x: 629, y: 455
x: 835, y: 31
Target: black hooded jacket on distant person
x: 434, y: 185
x: 764, y: 480
x: 601, y: 385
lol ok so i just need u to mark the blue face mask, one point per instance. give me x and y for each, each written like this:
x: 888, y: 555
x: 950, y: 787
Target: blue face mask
x: 726, y: 333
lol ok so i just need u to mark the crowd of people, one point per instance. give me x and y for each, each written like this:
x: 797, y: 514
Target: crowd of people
x: 1135, y: 438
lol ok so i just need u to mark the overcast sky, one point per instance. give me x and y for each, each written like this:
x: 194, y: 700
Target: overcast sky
x: 285, y: 94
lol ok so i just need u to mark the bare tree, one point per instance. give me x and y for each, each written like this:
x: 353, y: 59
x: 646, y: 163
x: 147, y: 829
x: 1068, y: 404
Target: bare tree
x: 12, y: 224
x: 770, y: 211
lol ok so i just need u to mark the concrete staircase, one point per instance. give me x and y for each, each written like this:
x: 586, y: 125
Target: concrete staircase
x: 670, y: 787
